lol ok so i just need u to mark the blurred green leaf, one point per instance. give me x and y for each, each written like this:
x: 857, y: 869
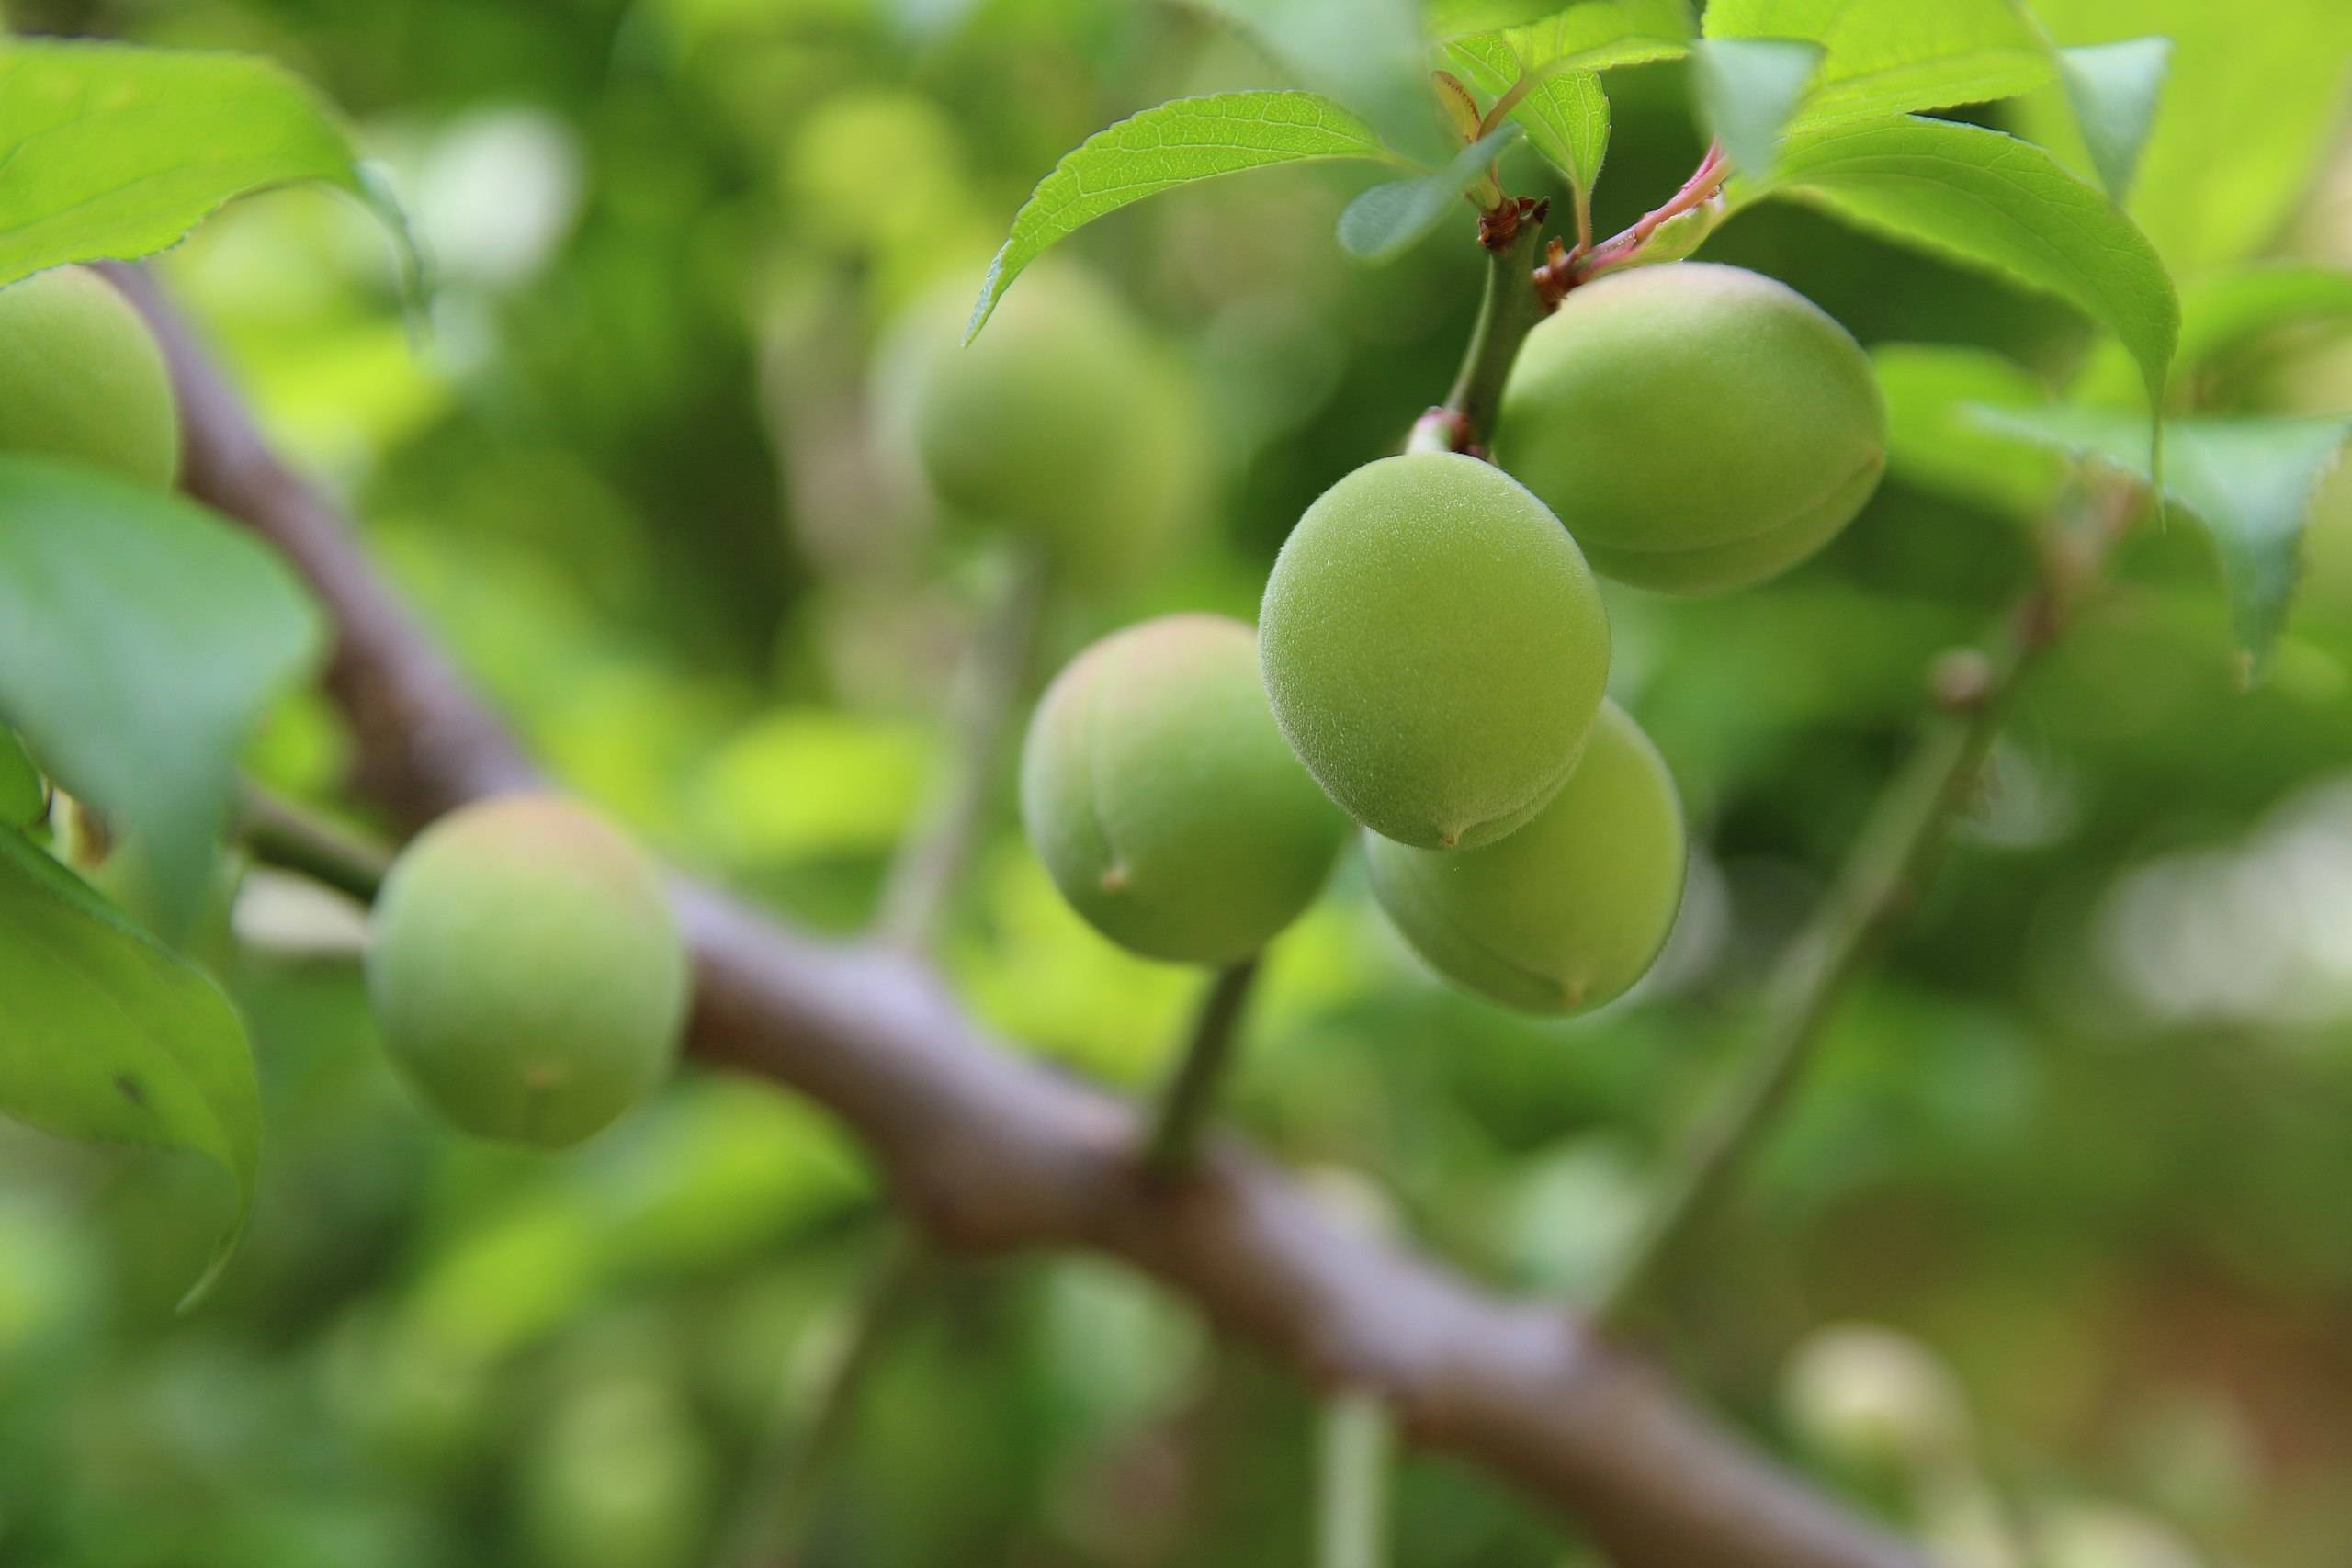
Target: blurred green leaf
x: 1172, y: 144
x: 2250, y: 104
x: 1386, y: 218
x: 1886, y: 57
x: 2224, y: 311
x: 1990, y: 200
x: 139, y: 638
x: 1370, y: 55
x: 2114, y: 88
x: 1565, y: 113
x: 107, y: 151
x: 2250, y: 481
x: 1933, y: 441
x: 1746, y: 89
x: 22, y: 795
x: 110, y: 1038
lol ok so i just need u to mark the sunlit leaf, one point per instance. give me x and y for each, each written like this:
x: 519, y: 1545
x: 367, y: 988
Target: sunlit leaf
x: 1992, y: 201
x: 1368, y: 54
x: 139, y: 638
x: 1747, y: 88
x: 1386, y: 218
x: 2249, y: 482
x: 2114, y: 88
x: 108, y: 1037
x: 1172, y: 144
x: 109, y: 151
x: 1886, y: 57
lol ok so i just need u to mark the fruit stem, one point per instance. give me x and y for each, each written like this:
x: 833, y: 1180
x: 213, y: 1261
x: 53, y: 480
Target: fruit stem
x: 275, y: 831
x: 1889, y: 864
x: 1175, y: 1134
x: 1508, y: 310
x: 1354, y: 1443
x: 988, y: 688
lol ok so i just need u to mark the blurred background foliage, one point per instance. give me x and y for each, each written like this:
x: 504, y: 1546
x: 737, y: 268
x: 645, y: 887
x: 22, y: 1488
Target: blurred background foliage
x: 2084, y: 1137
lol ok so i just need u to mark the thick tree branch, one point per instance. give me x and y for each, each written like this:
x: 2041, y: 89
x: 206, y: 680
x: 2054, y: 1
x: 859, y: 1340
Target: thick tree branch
x: 990, y: 1150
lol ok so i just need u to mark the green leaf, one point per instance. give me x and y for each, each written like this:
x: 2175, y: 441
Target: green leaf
x: 1386, y: 218
x: 107, y: 151
x: 1565, y: 114
x: 2248, y: 481
x: 1174, y: 144
x: 1370, y: 55
x: 1990, y: 200
x: 2113, y: 88
x: 1887, y: 57
x: 1746, y: 89
x: 108, y: 1037
x: 23, y: 797
x: 139, y: 637
x: 2222, y: 312
x: 1933, y: 441
x: 2254, y: 98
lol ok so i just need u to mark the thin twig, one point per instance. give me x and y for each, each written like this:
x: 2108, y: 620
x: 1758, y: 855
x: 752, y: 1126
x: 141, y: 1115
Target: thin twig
x: 1889, y: 864
x: 275, y: 831
x: 1354, y: 1440
x: 1175, y: 1135
x: 988, y: 689
x: 803, y: 1448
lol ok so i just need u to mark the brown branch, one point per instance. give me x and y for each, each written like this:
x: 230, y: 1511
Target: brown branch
x: 990, y: 1150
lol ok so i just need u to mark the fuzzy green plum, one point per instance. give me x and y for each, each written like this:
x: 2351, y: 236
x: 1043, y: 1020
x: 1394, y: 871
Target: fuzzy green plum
x: 527, y: 974
x: 85, y: 377
x: 1162, y: 799
x: 1061, y: 421
x: 1435, y: 649
x: 1703, y: 427
x: 1571, y: 910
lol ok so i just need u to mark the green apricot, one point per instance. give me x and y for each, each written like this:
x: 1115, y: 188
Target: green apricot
x: 525, y: 970
x: 1162, y: 800
x: 1060, y: 421
x: 85, y: 379
x: 1701, y: 426
x: 1435, y: 649
x: 1569, y: 911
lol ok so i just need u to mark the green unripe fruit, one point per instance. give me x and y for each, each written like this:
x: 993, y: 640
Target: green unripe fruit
x: 1702, y: 427
x: 1569, y: 911
x: 1059, y: 420
x: 84, y: 378
x: 525, y: 970
x: 1434, y: 647
x: 1162, y: 800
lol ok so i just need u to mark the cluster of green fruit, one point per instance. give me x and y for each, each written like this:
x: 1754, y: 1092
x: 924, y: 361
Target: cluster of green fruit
x: 1432, y: 653
x: 525, y: 967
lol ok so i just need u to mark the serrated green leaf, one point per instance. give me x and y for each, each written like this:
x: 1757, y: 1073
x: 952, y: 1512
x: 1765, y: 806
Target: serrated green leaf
x: 1386, y: 218
x: 108, y: 1037
x: 139, y: 638
x: 2222, y: 312
x: 1565, y: 113
x: 1934, y: 444
x: 2248, y: 481
x: 109, y: 151
x: 1746, y: 89
x: 1370, y: 55
x: 22, y: 795
x: 1887, y: 57
x: 1175, y: 144
x: 1990, y: 200
x: 2113, y: 88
